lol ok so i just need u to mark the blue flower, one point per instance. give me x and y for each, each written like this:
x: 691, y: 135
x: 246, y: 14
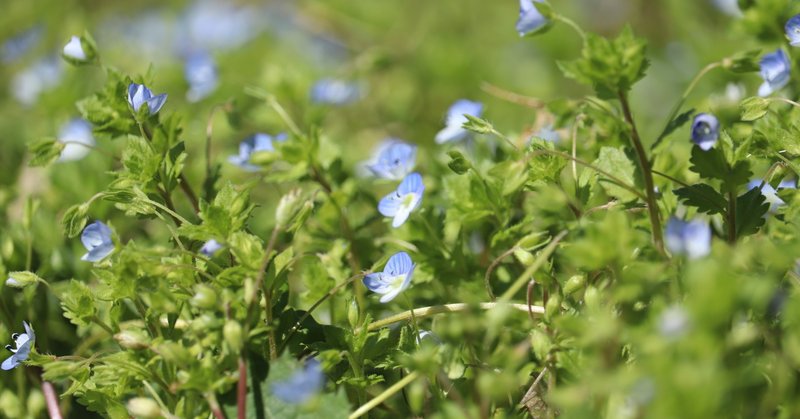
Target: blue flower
x: 24, y: 343
x: 96, y: 238
x: 775, y: 68
x: 255, y: 143
x: 530, y: 20
x: 691, y: 238
x: 770, y: 193
x: 210, y: 247
x: 394, y: 159
x: 19, y: 45
x: 547, y: 133
x: 705, y: 130
x: 793, y: 30
x: 395, y: 278
x: 455, y: 119
x: 302, y: 385
x: 335, y: 92
x: 201, y: 74
x: 402, y: 201
x: 730, y: 7
x: 673, y: 322
x: 43, y: 75
x: 77, y: 138
x: 139, y: 94
x: 74, y: 49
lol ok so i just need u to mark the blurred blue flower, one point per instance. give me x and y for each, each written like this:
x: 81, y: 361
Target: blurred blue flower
x: 78, y: 139
x: 673, y: 323
x: 455, y: 119
x: 255, y: 143
x: 705, y: 130
x: 74, y: 49
x: 201, y: 74
x: 775, y: 69
x: 770, y: 193
x: 394, y: 159
x: 547, y: 133
x: 793, y: 30
x: 96, y: 238
x: 23, y: 343
x: 395, y: 278
x: 302, y: 385
x: 335, y: 92
x: 210, y: 247
x: 214, y: 24
x: 730, y: 7
x: 691, y: 238
x: 14, y: 48
x: 402, y: 201
x: 530, y: 20
x: 43, y: 75
x: 139, y: 94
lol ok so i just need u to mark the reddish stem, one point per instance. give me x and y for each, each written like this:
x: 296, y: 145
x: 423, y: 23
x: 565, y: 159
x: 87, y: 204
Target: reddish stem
x: 51, y: 398
x: 241, y: 390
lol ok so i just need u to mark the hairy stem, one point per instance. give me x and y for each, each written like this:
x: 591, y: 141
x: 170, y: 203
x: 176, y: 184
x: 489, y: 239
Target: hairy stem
x: 523, y: 279
x: 446, y: 308
x: 647, y: 174
x: 51, y: 398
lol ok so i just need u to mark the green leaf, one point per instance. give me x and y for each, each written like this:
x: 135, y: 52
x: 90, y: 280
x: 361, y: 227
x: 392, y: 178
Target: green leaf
x: 74, y: 219
x: 711, y: 164
x: 614, y: 161
x: 702, y: 197
x: 45, y: 151
x: 744, y: 62
x: 754, y: 108
x: 750, y: 210
x: 674, y: 124
x: 78, y: 303
x: 140, y: 160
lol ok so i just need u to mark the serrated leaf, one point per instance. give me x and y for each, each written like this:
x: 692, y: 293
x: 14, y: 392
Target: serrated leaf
x: 754, y: 108
x: 614, y: 161
x: 702, y: 197
x: 674, y: 124
x: 711, y: 164
x: 78, y: 303
x: 750, y: 210
x: 744, y: 62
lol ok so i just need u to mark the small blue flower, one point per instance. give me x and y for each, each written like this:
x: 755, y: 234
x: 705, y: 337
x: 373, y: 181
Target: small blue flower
x: 402, y: 201
x: 775, y: 69
x: 547, y: 133
x: 19, y: 45
x: 96, y: 238
x: 530, y: 20
x: 40, y: 77
x: 201, y: 74
x: 770, y: 193
x: 793, y: 30
x: 210, y: 247
x: 455, y: 119
x: 74, y: 49
x: 302, y: 385
x: 255, y: 143
x: 335, y: 92
x: 77, y: 138
x: 691, y: 238
x: 395, y: 278
x: 705, y: 130
x: 394, y: 159
x: 23, y: 343
x: 139, y: 94
x: 673, y: 323
x: 729, y: 7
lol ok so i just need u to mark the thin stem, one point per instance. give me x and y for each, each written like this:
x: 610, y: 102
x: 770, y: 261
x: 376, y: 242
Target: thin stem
x: 647, y: 174
x: 446, y: 308
x: 161, y: 404
x: 508, y: 96
x: 578, y: 119
x: 241, y: 390
x: 102, y: 325
x: 189, y: 192
x: 731, y: 217
x: 259, y: 283
x: 784, y: 100
x: 503, y: 137
x: 169, y: 211
x: 314, y: 306
x: 666, y: 176
x: 213, y: 404
x: 488, y: 276
x: 168, y: 201
x: 572, y: 24
x: 389, y: 392
x: 51, y: 399
x: 523, y: 279
x: 619, y: 182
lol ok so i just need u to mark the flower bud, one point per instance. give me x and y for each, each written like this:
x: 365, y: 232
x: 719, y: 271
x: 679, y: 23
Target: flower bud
x: 142, y: 407
x: 132, y: 339
x: 232, y: 331
x: 79, y: 50
x: 552, y: 307
x: 21, y: 279
x: 574, y: 283
x: 352, y: 313
x: 524, y: 257
x: 288, y: 207
x: 204, y: 297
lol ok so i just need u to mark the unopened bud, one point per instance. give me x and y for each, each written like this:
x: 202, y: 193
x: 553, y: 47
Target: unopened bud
x: 21, y: 279
x: 288, y: 207
x: 204, y: 297
x: 524, y: 257
x: 142, y: 407
x: 132, y: 339
x: 352, y: 313
x: 232, y: 331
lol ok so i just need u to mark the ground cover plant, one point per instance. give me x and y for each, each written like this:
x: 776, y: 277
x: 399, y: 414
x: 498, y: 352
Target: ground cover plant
x: 361, y: 209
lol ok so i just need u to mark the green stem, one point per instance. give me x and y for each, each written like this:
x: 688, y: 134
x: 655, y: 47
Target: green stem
x: 252, y: 301
x: 647, y: 174
x: 389, y: 392
x: 523, y: 279
x: 572, y: 24
x: 423, y: 312
x: 731, y: 217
